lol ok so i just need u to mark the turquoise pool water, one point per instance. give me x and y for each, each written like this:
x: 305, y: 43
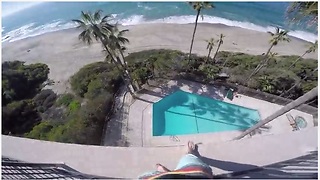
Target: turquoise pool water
x: 186, y: 113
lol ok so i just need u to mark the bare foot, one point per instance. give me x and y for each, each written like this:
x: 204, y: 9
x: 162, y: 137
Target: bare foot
x: 191, y: 147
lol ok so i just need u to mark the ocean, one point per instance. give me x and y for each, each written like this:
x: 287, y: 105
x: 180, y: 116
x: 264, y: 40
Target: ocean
x: 24, y: 20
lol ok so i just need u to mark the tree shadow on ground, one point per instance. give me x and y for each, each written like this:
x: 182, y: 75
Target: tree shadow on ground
x: 303, y: 167
x: 195, y: 88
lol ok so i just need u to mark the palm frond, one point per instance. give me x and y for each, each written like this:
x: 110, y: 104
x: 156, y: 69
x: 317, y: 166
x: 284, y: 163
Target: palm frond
x: 122, y: 32
x: 79, y: 22
x: 85, y: 17
x: 97, y: 15
x: 271, y: 33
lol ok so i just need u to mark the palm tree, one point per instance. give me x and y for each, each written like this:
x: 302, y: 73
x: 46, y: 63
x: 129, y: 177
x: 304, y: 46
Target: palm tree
x: 209, y: 47
x: 263, y: 63
x: 312, y: 48
x: 93, y: 26
x: 97, y: 27
x: 116, y: 42
x: 278, y: 36
x: 220, y: 42
x: 198, y: 6
x: 301, y: 100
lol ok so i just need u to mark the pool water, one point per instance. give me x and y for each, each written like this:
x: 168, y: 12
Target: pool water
x: 186, y: 113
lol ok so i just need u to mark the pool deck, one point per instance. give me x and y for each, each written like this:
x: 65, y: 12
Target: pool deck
x: 139, y: 121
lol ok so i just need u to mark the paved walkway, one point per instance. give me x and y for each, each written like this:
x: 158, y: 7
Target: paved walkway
x: 115, y: 133
x: 122, y: 162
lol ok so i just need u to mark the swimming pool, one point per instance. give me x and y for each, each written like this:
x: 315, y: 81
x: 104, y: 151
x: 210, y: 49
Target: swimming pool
x: 186, y: 113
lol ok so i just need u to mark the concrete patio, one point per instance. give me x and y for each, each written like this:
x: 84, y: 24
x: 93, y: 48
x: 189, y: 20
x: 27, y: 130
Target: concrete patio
x: 139, y: 121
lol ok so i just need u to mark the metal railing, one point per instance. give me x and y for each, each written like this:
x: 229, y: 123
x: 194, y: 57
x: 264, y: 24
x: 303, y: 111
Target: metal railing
x: 15, y: 169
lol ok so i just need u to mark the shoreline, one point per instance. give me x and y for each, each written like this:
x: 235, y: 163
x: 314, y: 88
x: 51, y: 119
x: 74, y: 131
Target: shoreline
x: 65, y: 54
x: 216, y: 25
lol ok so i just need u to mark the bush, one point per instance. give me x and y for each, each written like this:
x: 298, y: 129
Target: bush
x: 245, y: 60
x: 20, y: 81
x: 106, y: 82
x: 65, y: 99
x: 160, y: 63
x: 45, y: 99
x: 74, y: 106
x: 140, y: 75
x: 102, y: 75
x: 95, y: 88
x: 40, y: 131
x: 210, y: 71
x: 84, y: 126
x: 19, y: 117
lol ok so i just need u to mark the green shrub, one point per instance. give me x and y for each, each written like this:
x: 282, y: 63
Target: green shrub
x: 74, y: 106
x: 140, y: 75
x: 107, y: 82
x: 210, y: 71
x: 20, y: 81
x: 245, y: 60
x: 40, y: 131
x: 65, y: 99
x: 19, y: 117
x: 308, y: 85
x: 95, y: 88
x: 60, y: 133
x: 159, y: 63
x: 45, y: 99
x: 80, y: 81
x: 102, y: 75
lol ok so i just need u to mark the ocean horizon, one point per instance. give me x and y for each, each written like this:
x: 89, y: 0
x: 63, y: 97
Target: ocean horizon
x: 33, y: 19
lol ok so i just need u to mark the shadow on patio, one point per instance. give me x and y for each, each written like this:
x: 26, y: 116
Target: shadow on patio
x: 303, y: 167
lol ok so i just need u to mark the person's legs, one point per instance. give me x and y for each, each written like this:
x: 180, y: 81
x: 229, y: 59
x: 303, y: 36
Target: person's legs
x: 160, y: 169
x: 192, y: 158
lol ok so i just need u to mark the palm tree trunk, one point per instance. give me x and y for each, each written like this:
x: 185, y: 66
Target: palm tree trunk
x: 265, y: 63
x: 215, y: 54
x: 127, y: 72
x: 124, y: 67
x: 256, y: 70
x: 296, y: 60
x: 267, y: 53
x: 298, y: 83
x: 301, y: 100
x: 115, y: 62
x: 124, y: 62
x: 260, y: 65
x: 194, y: 32
x: 210, y: 49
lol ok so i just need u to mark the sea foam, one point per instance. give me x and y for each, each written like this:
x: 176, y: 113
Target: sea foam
x: 139, y: 19
x: 30, y: 30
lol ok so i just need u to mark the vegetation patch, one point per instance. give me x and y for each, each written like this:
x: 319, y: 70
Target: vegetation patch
x: 65, y: 99
x: 275, y: 78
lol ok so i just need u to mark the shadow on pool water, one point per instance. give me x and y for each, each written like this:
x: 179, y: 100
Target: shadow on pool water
x: 201, y: 108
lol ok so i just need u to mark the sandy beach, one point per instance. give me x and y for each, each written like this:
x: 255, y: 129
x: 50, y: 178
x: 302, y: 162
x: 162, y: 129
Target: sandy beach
x: 65, y: 54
